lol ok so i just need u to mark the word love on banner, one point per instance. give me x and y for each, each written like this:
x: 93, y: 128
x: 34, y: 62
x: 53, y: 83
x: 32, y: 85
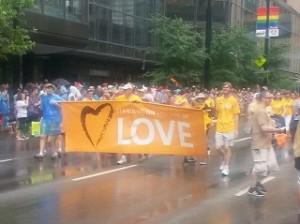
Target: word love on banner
x: 128, y: 127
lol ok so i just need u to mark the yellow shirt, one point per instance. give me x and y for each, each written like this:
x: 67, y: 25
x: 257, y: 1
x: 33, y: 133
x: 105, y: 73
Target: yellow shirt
x: 135, y: 98
x: 181, y: 101
x: 227, y: 109
x: 121, y: 98
x: 288, y: 107
x: 131, y: 98
x: 210, y: 102
x: 206, y: 118
x: 277, y: 107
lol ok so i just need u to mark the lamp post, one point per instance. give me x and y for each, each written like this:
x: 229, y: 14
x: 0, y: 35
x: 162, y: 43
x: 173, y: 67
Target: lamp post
x: 208, y: 37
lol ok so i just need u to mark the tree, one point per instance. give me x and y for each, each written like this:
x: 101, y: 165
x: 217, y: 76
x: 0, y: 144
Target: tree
x: 14, y: 37
x: 179, y: 53
x: 232, y: 57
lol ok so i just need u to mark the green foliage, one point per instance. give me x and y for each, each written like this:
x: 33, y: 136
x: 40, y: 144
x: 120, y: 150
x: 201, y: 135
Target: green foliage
x: 283, y: 82
x: 14, y: 37
x: 180, y: 53
x: 232, y: 57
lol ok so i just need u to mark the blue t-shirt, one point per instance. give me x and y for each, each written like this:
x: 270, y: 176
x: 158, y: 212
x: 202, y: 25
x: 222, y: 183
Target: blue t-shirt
x: 50, y: 109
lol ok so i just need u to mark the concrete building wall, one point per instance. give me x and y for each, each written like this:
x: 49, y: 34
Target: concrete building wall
x: 295, y: 4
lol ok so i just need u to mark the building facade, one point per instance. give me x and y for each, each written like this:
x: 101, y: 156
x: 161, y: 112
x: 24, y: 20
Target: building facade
x: 108, y: 40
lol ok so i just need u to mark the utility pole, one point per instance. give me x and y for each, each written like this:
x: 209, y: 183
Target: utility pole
x: 267, y: 37
x: 208, y: 37
x: 267, y: 40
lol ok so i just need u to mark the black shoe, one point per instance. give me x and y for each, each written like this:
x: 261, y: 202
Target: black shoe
x: 261, y: 187
x: 255, y: 192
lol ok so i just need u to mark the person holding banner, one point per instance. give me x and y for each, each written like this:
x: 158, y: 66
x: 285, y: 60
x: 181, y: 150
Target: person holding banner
x: 128, y: 95
x: 50, y: 122
x: 227, y: 111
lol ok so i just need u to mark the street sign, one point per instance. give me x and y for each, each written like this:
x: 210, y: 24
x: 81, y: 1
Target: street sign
x: 261, y: 22
x: 272, y: 33
x: 260, y: 61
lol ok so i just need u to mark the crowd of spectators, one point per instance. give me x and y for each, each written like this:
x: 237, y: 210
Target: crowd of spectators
x: 22, y: 106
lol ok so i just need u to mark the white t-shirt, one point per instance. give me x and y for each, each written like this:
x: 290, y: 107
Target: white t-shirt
x: 21, y: 109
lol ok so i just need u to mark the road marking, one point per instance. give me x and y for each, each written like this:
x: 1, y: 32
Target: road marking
x: 244, y: 191
x: 104, y: 173
x: 7, y: 160
x: 242, y: 139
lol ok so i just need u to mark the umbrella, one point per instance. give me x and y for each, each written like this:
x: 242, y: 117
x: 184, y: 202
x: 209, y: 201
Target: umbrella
x: 61, y: 82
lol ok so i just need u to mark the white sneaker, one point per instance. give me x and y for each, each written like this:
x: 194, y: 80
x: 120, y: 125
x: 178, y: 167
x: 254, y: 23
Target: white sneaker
x: 222, y: 166
x: 123, y: 160
x: 225, y: 171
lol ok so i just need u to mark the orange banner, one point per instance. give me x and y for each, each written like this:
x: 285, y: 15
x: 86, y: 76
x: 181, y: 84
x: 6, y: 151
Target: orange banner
x: 126, y: 127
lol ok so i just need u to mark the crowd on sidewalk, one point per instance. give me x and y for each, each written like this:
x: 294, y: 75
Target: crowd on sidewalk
x: 269, y: 113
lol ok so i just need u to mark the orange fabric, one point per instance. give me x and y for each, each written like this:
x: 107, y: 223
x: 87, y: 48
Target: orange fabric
x: 126, y: 127
x: 281, y: 139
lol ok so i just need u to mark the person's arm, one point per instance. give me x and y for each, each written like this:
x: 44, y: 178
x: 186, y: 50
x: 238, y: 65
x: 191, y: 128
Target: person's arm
x: 265, y: 126
x: 268, y: 129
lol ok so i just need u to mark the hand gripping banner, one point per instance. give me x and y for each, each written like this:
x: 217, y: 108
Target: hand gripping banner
x: 128, y: 127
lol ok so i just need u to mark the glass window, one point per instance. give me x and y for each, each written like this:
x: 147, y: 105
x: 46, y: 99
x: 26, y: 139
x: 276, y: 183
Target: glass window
x: 102, y: 2
x: 140, y: 8
x: 117, y: 27
x: 103, y: 23
x: 128, y: 7
x: 37, y: 6
x: 220, y: 12
x: 181, y: 8
x: 92, y: 22
x: 129, y: 30
x: 141, y: 32
x: 54, y: 8
x: 74, y: 10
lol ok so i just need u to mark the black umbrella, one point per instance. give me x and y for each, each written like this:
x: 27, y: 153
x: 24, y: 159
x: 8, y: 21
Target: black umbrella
x: 61, y: 82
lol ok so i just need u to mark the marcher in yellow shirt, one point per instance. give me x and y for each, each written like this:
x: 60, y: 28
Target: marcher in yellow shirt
x: 227, y: 111
x: 277, y: 105
x: 180, y: 100
x: 201, y: 104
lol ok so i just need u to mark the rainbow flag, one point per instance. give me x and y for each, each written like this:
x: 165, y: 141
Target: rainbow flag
x: 262, y: 18
x: 261, y: 22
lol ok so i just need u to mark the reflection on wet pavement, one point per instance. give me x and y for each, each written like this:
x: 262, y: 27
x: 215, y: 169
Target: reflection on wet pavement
x: 161, y: 189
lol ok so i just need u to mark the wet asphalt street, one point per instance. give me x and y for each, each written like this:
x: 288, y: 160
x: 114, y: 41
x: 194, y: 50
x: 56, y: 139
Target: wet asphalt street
x: 90, y: 188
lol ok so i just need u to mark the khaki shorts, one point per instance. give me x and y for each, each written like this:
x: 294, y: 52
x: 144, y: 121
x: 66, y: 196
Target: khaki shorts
x: 224, y: 139
x: 260, y: 158
x: 264, y: 161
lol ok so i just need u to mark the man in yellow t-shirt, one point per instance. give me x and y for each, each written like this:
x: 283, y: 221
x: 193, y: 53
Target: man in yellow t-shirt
x: 128, y: 95
x: 227, y: 111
